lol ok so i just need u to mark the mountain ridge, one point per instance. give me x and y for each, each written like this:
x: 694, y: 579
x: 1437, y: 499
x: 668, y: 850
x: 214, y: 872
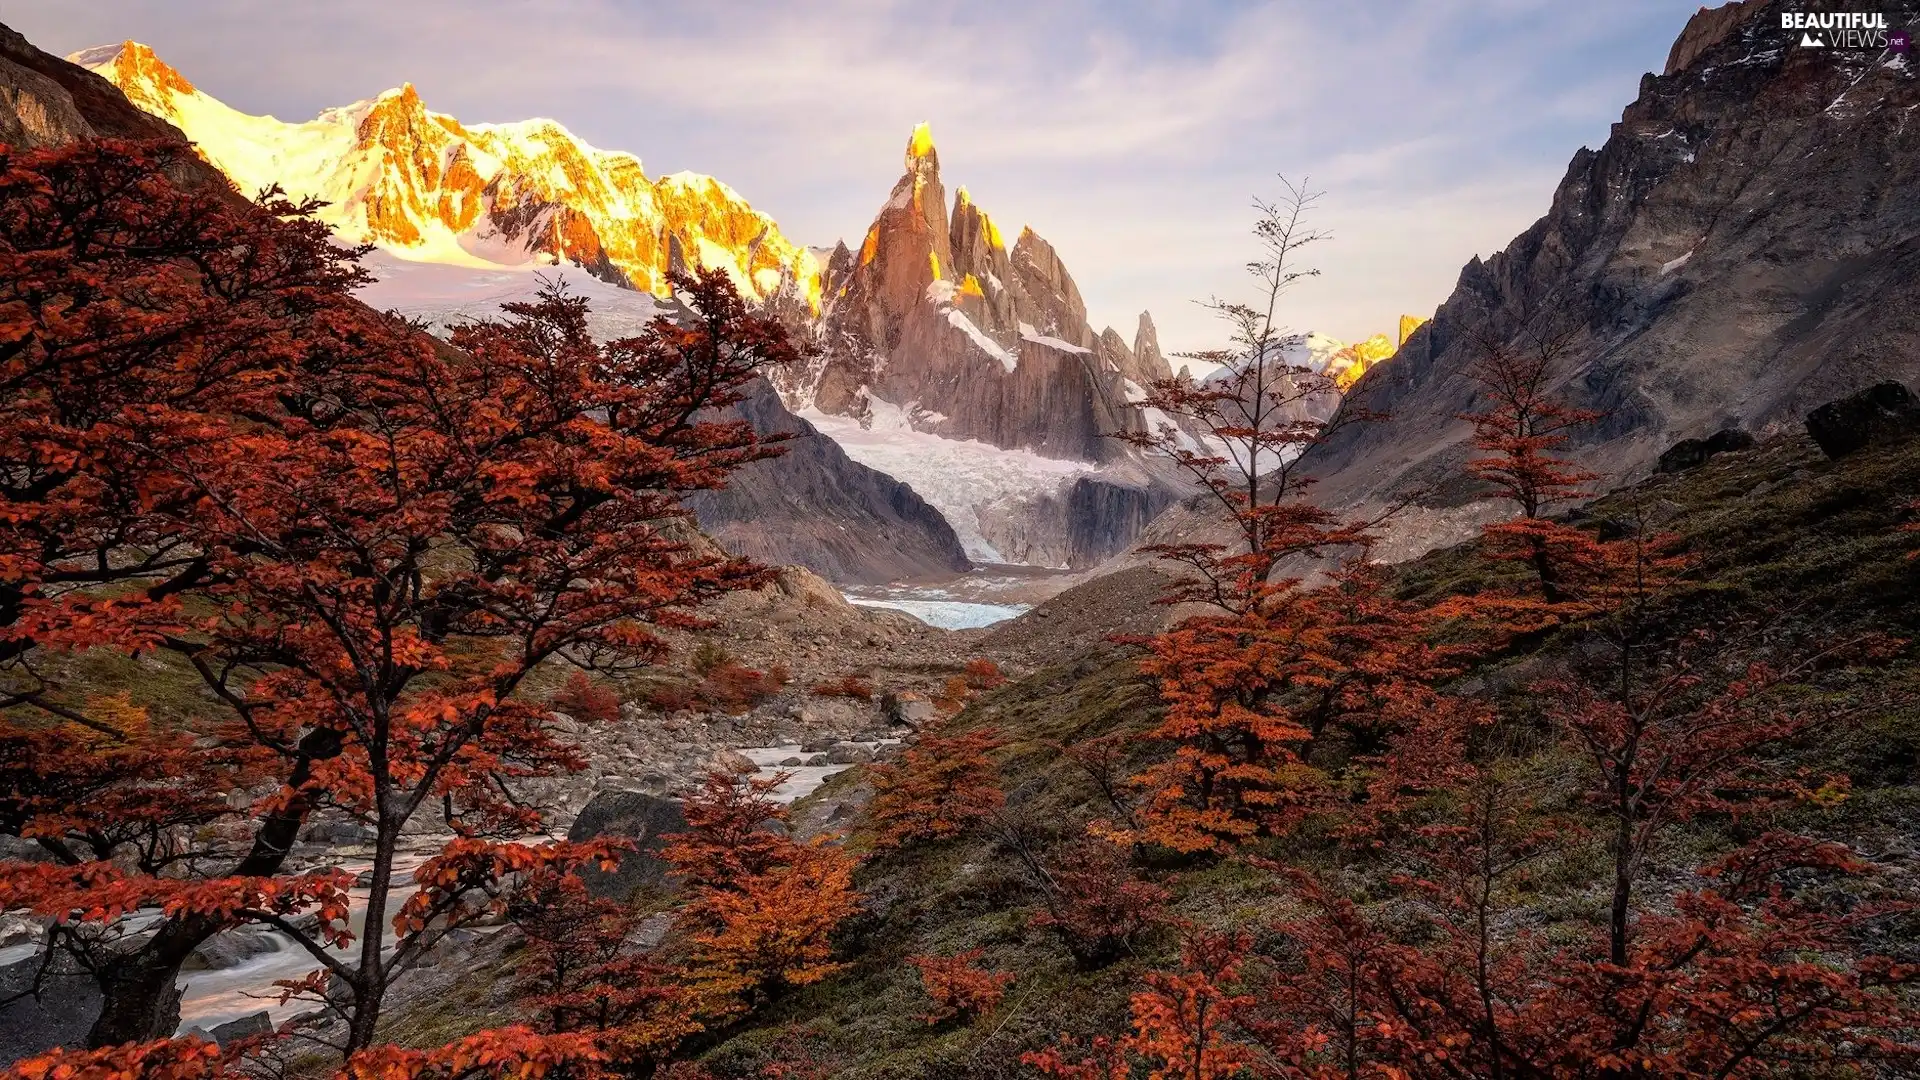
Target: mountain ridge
x: 425, y: 185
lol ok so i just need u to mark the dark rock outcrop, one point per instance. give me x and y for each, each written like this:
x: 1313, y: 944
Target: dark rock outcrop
x: 1882, y: 413
x: 646, y: 820
x: 1744, y: 247
x: 815, y: 507
x: 1693, y: 453
x: 60, y: 1014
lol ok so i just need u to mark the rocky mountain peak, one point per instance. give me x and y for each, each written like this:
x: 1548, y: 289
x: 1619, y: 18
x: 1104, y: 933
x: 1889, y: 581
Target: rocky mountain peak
x: 1146, y: 349
x: 147, y: 81
x: 1708, y: 27
x: 1738, y: 252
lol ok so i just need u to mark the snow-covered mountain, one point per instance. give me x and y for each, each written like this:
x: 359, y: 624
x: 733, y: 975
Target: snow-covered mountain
x: 945, y: 357
x: 427, y: 187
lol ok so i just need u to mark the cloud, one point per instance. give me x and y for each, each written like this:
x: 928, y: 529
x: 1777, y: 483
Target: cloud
x: 1132, y: 133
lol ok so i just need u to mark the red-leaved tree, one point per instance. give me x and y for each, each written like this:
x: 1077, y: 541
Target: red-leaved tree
x: 381, y: 537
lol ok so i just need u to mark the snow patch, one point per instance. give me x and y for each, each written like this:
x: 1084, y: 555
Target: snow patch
x: 1009, y: 361
x: 1050, y: 342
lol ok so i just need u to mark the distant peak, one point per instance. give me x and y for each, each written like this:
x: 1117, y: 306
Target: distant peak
x: 136, y: 69
x: 921, y: 144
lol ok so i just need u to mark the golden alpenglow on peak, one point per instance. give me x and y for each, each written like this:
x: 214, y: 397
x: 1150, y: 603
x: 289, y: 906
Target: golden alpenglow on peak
x: 1408, y: 324
x: 921, y: 144
x: 420, y: 184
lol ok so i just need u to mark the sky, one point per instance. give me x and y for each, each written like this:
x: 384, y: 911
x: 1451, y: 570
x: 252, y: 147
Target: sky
x: 1132, y: 134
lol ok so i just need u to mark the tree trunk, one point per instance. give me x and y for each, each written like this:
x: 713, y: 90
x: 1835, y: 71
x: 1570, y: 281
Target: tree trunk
x: 139, y: 1000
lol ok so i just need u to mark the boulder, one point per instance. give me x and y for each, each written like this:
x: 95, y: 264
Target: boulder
x: 1693, y: 453
x: 818, y: 760
x: 1884, y: 412
x: 337, y: 832
x: 230, y: 949
x: 906, y: 710
x: 260, y: 1023
x: 733, y: 761
x: 849, y: 754
x: 630, y: 815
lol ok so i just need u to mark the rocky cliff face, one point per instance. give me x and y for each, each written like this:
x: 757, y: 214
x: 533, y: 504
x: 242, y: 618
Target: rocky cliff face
x: 936, y: 314
x: 1745, y: 246
x: 814, y: 507
x: 426, y: 186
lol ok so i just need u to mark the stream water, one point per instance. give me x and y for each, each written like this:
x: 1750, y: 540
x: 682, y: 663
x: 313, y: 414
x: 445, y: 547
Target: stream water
x: 209, y: 998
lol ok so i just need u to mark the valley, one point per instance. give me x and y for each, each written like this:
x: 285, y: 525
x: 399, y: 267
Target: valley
x: 489, y: 612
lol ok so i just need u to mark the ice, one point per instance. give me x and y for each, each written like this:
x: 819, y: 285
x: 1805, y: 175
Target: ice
x: 960, y: 478
x: 948, y: 614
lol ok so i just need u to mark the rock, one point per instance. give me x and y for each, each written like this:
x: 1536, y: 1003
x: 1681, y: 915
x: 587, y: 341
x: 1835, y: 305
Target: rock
x: 816, y: 507
x: 849, y: 754
x: 631, y: 815
x: 337, y: 832
x: 733, y: 761
x: 817, y: 746
x: 230, y: 949
x: 906, y: 710
x: 818, y: 760
x: 19, y: 928
x: 260, y: 1023
x: 20, y: 849
x: 1882, y: 413
x: 1692, y: 453
x: 792, y: 762
x: 65, y: 1008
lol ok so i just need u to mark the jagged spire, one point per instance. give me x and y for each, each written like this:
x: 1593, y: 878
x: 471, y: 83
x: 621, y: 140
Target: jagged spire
x: 920, y: 144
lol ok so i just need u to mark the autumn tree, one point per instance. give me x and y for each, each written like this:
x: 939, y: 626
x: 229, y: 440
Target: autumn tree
x: 943, y: 785
x: 1231, y: 676
x: 761, y: 908
x: 1182, y: 1022
x: 1094, y: 902
x: 382, y: 537
x: 1522, y: 430
x: 1240, y: 434
x: 587, y: 975
x: 957, y: 988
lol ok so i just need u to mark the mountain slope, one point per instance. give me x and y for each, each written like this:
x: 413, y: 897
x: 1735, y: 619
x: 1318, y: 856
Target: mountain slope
x: 1745, y: 246
x: 425, y: 186
x: 46, y: 101
x: 813, y: 506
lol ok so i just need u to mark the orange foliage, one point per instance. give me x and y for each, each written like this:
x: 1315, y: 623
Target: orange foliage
x: 586, y: 700
x: 1182, y: 1023
x: 761, y: 907
x: 957, y: 988
x: 984, y: 674
x: 165, y: 1059
x: 846, y: 686
x: 942, y: 786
